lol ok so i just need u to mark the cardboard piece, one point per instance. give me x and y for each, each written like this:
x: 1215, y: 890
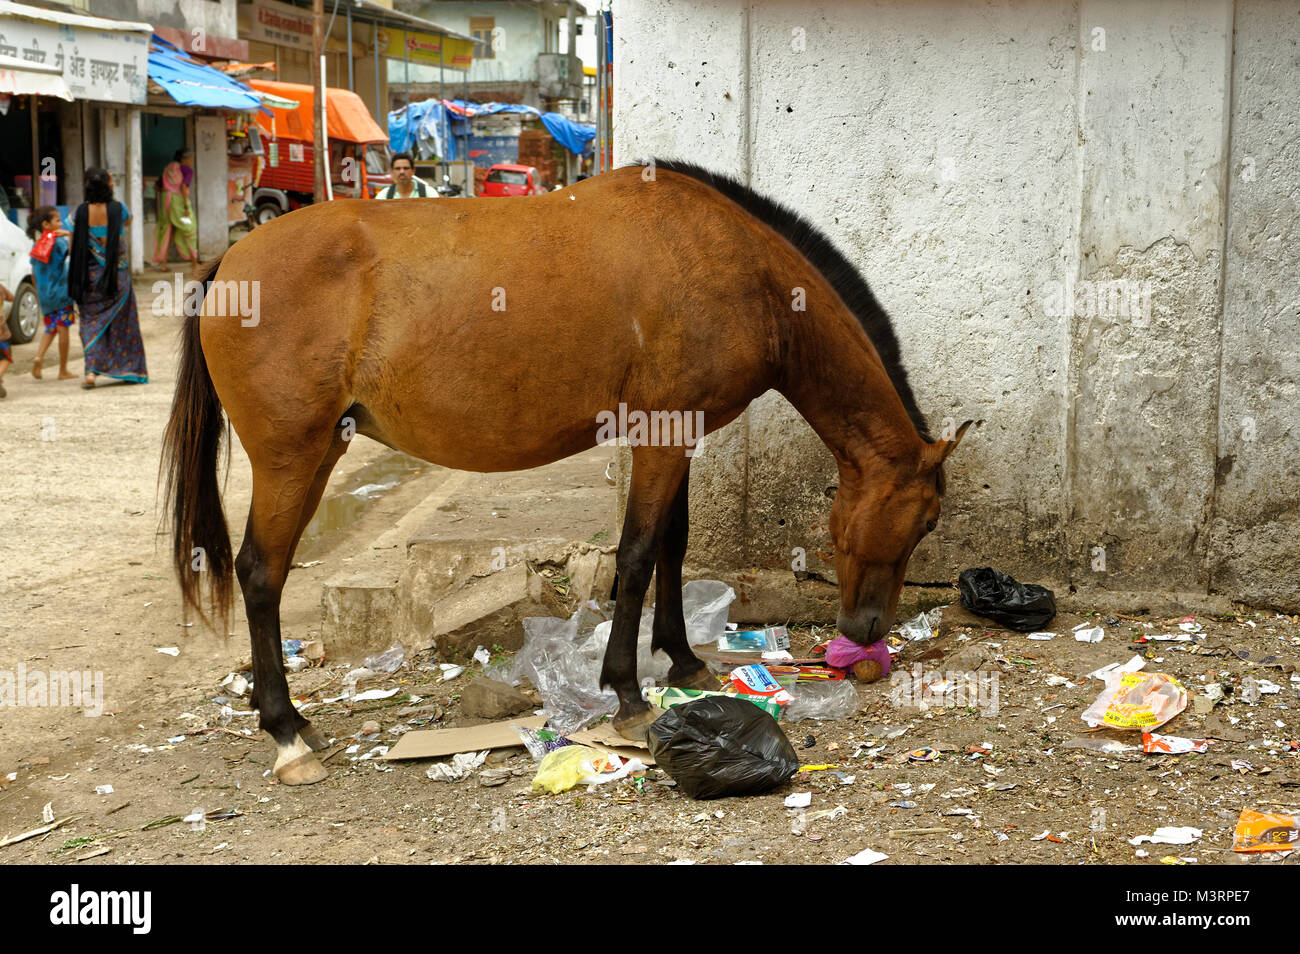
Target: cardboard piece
x: 605, y: 738
x: 438, y: 743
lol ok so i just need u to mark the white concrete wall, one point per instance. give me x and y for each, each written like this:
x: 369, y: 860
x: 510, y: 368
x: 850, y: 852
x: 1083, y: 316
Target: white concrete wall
x: 973, y: 160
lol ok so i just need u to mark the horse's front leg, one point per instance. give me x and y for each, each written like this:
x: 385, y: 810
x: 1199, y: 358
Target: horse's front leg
x: 688, y: 671
x: 657, y: 474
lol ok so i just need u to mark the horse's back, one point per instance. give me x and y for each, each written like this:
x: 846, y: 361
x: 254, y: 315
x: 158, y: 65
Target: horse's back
x: 499, y: 329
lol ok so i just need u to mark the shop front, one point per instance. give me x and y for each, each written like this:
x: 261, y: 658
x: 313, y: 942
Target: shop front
x: 95, y: 69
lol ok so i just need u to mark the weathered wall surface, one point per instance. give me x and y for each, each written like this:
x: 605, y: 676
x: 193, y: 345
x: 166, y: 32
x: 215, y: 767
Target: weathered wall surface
x: 1048, y: 199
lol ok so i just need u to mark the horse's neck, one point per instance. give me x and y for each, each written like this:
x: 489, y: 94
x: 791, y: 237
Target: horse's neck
x: 835, y: 379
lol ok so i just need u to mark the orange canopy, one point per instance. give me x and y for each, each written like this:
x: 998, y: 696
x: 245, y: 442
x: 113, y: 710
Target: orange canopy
x: 347, y: 116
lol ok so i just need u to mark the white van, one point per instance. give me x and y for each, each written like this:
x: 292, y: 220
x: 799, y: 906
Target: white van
x: 24, y: 314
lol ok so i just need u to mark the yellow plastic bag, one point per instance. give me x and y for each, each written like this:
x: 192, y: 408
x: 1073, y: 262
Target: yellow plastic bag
x: 571, y: 765
x: 1137, y: 700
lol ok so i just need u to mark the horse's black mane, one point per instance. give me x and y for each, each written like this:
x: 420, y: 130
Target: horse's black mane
x: 813, y: 244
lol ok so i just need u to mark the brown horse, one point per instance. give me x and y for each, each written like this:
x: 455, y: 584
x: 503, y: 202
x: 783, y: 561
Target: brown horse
x: 495, y: 336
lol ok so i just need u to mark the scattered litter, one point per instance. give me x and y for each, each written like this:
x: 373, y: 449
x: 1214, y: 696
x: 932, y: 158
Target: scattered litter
x: 1169, y: 836
x: 839, y: 811
x: 439, y: 743
x: 917, y: 629
x: 103, y: 789
x: 797, y: 800
x: 1042, y: 637
x: 771, y: 639
x: 482, y: 657
x: 1133, y: 665
x: 1137, y: 701
x: 47, y: 813
x: 666, y: 697
x: 461, y: 766
x: 389, y: 661
x: 1092, y: 634
x: 450, y: 671
x: 924, y: 754
x: 169, y: 650
x: 864, y: 857
x: 574, y: 765
x: 370, y: 695
x: 1172, y: 744
x: 236, y: 684
x: 823, y: 699
x: 1260, y: 832
x: 1096, y: 743
x: 844, y: 653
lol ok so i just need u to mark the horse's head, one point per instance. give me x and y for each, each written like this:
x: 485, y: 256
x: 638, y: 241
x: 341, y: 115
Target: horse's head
x: 881, y: 512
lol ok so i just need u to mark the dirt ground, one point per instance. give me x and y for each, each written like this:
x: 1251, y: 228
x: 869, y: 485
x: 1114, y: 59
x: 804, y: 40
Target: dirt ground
x: 87, y: 586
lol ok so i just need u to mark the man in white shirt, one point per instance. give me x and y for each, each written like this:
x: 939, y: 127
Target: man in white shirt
x: 406, y: 184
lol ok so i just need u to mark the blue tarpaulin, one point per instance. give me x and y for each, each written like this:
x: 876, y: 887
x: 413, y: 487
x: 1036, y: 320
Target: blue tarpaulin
x: 572, y: 136
x: 423, y: 129
x: 466, y: 108
x: 191, y: 83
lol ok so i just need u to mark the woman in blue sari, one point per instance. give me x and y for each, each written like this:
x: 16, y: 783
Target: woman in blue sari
x: 99, y: 280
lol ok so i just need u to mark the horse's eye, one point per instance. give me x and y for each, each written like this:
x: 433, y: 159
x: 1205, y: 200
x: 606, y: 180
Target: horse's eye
x: 930, y: 525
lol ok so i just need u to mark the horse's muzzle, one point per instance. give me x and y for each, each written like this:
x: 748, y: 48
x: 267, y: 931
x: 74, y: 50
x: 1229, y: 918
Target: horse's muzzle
x: 863, y: 627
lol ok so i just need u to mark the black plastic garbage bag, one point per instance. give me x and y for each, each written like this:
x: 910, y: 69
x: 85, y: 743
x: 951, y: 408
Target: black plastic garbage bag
x: 1020, y: 606
x: 720, y: 746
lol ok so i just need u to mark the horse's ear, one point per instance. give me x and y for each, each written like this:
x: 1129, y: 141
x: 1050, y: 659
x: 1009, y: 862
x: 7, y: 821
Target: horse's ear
x: 937, y: 452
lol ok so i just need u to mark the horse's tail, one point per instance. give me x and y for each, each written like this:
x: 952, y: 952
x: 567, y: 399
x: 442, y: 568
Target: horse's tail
x: 191, y: 446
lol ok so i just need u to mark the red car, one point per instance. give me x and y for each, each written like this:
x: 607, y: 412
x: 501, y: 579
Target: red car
x: 505, y: 179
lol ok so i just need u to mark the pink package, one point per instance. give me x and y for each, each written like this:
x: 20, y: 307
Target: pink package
x: 843, y: 652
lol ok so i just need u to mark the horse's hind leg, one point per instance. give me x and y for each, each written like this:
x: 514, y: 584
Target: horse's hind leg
x: 656, y: 475
x: 688, y: 671
x: 338, y: 446
x: 275, y: 520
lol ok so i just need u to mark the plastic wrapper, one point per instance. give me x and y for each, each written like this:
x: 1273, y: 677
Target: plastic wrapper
x: 824, y: 699
x: 390, y: 660
x: 540, y: 742
x: 1023, y: 607
x: 665, y: 697
x: 1257, y: 831
x: 842, y: 653
x: 1137, y: 700
x: 772, y: 639
x: 721, y: 746
x: 563, y: 657
x: 574, y: 765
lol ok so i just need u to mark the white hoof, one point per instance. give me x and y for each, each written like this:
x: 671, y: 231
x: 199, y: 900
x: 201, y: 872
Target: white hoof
x: 296, y: 765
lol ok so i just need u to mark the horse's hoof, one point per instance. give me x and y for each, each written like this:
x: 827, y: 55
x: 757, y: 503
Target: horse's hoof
x: 636, y: 727
x: 296, y: 765
x: 304, y: 770
x: 312, y: 736
x: 701, y: 679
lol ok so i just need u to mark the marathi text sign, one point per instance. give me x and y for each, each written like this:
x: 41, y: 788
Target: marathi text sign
x: 281, y: 24
x: 96, y: 64
x: 426, y: 48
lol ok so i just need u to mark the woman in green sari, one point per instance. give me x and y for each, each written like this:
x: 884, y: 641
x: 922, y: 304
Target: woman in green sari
x: 175, y: 215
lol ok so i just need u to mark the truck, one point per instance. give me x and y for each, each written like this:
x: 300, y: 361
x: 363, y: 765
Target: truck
x: 285, y: 169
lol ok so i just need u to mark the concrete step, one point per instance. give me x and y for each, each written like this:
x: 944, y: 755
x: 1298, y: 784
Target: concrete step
x: 473, y: 556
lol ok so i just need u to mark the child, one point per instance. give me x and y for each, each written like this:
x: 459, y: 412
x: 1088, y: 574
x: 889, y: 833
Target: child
x: 52, y: 288
x: 6, y: 356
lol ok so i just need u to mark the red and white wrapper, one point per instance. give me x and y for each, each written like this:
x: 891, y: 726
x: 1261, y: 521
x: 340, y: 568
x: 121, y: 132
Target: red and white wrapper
x: 1172, y: 744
